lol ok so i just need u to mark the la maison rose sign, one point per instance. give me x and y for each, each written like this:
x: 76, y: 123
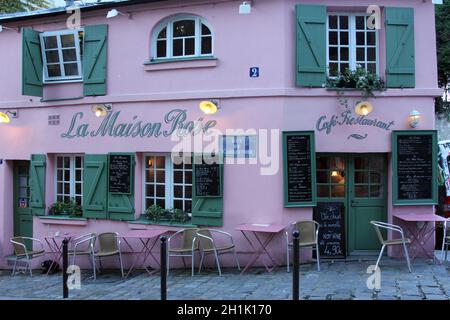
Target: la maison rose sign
x: 174, y: 122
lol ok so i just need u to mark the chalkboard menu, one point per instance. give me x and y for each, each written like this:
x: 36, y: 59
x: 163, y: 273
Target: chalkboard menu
x: 299, y: 169
x: 120, y: 173
x: 207, y: 180
x: 415, y: 161
x: 330, y: 216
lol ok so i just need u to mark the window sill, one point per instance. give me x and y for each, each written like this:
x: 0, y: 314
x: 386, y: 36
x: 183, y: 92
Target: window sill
x: 64, y: 220
x: 143, y: 221
x: 180, y: 63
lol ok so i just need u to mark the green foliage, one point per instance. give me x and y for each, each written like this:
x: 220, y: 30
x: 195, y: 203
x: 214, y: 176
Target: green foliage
x: 71, y: 208
x: 154, y: 212
x: 443, y: 42
x: 11, y: 6
x: 157, y: 213
x: 360, y: 79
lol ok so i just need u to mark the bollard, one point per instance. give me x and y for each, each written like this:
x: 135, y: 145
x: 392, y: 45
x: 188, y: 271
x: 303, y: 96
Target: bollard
x: 65, y: 265
x: 296, y: 266
x: 163, y: 268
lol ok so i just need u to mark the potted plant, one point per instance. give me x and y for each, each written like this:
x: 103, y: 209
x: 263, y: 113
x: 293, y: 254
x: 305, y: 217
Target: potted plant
x: 154, y: 212
x: 56, y: 208
x: 179, y: 215
x: 74, y: 209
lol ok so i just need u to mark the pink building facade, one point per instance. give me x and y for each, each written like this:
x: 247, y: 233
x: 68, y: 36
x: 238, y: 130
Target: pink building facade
x: 158, y: 60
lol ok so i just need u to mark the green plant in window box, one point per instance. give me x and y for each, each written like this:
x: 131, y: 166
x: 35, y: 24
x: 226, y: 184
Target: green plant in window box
x: 56, y: 208
x: 74, y: 209
x: 154, y: 212
x: 179, y: 215
x: 359, y: 79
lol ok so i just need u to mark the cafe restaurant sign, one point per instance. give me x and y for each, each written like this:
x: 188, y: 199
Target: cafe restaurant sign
x: 174, y: 122
x: 346, y: 118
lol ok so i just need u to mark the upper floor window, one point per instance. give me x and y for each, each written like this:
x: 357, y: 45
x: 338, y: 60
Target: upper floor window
x: 62, y: 55
x: 182, y: 37
x: 351, y: 44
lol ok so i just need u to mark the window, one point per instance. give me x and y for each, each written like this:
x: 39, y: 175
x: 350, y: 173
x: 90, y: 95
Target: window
x: 351, y: 44
x: 168, y: 184
x: 182, y: 37
x: 62, y: 54
x: 69, y: 178
x: 330, y: 177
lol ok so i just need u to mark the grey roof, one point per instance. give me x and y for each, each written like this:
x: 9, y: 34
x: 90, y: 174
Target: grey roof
x: 27, y: 15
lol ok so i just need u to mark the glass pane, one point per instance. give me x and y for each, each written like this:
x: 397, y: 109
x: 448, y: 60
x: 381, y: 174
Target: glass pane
x: 23, y: 192
x: 71, y: 69
x: 160, y: 176
x: 371, y: 38
x: 66, y: 162
x: 178, y: 191
x: 360, y: 54
x: 360, y: 23
x: 150, y: 190
x: 372, y: 67
x: 337, y: 177
x: 150, y: 175
x: 188, y: 192
x: 78, y: 188
x: 332, y: 21
x: 78, y: 175
x: 375, y: 177
x: 50, y: 42
x: 162, y: 34
x: 177, y: 47
x: 344, y: 38
x: 67, y: 175
x: 59, y: 162
x: 362, y: 191
x: 323, y: 177
x: 52, y: 56
x: 333, y: 69
x: 188, y: 177
x: 377, y: 163
x: 337, y: 191
x: 54, y: 70
x: 376, y: 191
x: 178, y: 177
x: 322, y: 163
x: 323, y: 191
x: 149, y: 162
x: 161, y: 49
x: 189, y: 46
x: 161, y: 203
x: 344, y: 54
x: 344, y: 66
x: 360, y: 38
x: 343, y: 22
x: 187, y: 206
x: 205, y: 30
x: 66, y: 188
x: 333, y: 38
x: 23, y: 181
x: 206, y: 45
x: 23, y: 170
x: 78, y: 162
x: 184, y: 28
x: 149, y: 202
x: 59, y: 175
x: 333, y: 53
x: 178, y: 204
x: 337, y: 163
x: 67, y: 40
x: 362, y: 163
x: 79, y: 200
x: 362, y: 177
x: 160, y: 162
x: 371, y: 54
x: 160, y: 190
x: 69, y: 55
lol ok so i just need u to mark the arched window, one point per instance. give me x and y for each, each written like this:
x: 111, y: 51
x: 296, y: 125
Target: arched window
x: 182, y: 36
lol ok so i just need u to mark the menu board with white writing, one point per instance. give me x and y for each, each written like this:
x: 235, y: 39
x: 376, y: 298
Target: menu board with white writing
x: 330, y: 217
x: 415, y: 167
x: 299, y: 169
x: 207, y: 180
x: 120, y: 173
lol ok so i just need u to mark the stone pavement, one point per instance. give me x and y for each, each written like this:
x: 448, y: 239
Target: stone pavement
x: 337, y: 280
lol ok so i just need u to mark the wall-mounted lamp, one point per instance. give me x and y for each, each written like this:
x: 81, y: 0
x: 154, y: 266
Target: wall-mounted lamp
x: 8, y: 28
x: 101, y: 110
x: 414, y: 118
x: 246, y: 7
x: 209, y: 106
x: 363, y: 108
x: 114, y: 13
x: 4, y: 118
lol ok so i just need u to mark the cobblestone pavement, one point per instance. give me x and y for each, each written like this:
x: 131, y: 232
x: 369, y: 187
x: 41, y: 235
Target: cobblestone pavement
x: 337, y: 280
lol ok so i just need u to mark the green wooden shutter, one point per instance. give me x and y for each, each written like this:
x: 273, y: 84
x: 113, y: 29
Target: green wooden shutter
x: 400, y: 54
x: 95, y: 59
x: 37, y: 184
x: 31, y: 63
x: 311, y: 54
x: 95, y: 183
x: 121, y: 206
x: 207, y: 211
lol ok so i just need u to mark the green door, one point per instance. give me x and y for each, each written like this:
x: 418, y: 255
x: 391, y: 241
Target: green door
x: 360, y: 183
x: 367, y: 200
x: 23, y: 221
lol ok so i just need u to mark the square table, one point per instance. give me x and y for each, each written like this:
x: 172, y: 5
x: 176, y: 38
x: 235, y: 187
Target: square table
x: 52, y: 241
x: 145, y: 237
x: 269, y: 231
x: 420, y: 233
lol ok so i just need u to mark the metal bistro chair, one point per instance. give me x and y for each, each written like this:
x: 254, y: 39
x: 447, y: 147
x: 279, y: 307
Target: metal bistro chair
x: 84, y: 246
x: 208, y: 245
x: 309, y: 236
x: 445, y: 239
x: 189, y: 246
x: 22, y: 253
x: 109, y: 245
x: 399, y: 241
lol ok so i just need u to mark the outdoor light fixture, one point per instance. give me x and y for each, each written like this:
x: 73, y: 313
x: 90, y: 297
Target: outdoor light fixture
x: 209, y: 106
x: 414, y: 118
x: 4, y: 118
x: 245, y: 7
x: 101, y: 110
x: 363, y: 108
x: 114, y: 13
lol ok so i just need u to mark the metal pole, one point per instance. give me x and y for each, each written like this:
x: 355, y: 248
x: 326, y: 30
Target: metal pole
x: 296, y: 267
x: 65, y: 266
x: 163, y: 268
